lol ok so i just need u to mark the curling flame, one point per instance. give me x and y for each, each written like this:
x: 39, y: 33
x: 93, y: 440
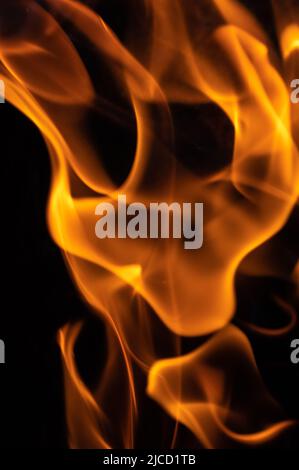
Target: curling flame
x: 195, y: 389
x: 194, y: 53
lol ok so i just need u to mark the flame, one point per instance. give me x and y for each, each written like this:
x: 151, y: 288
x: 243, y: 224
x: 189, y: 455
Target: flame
x: 194, y: 53
x: 217, y: 392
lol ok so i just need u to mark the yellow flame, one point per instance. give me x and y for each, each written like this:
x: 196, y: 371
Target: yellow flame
x: 131, y: 284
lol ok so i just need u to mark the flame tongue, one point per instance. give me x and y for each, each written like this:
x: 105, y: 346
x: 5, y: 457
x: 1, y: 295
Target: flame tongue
x: 226, y: 63
x: 217, y: 392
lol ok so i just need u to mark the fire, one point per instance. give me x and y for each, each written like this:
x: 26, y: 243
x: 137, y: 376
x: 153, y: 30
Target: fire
x: 198, y: 390
x: 193, y: 53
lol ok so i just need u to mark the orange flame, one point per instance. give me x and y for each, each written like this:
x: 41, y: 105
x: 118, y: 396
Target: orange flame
x: 194, y: 53
x: 197, y: 390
